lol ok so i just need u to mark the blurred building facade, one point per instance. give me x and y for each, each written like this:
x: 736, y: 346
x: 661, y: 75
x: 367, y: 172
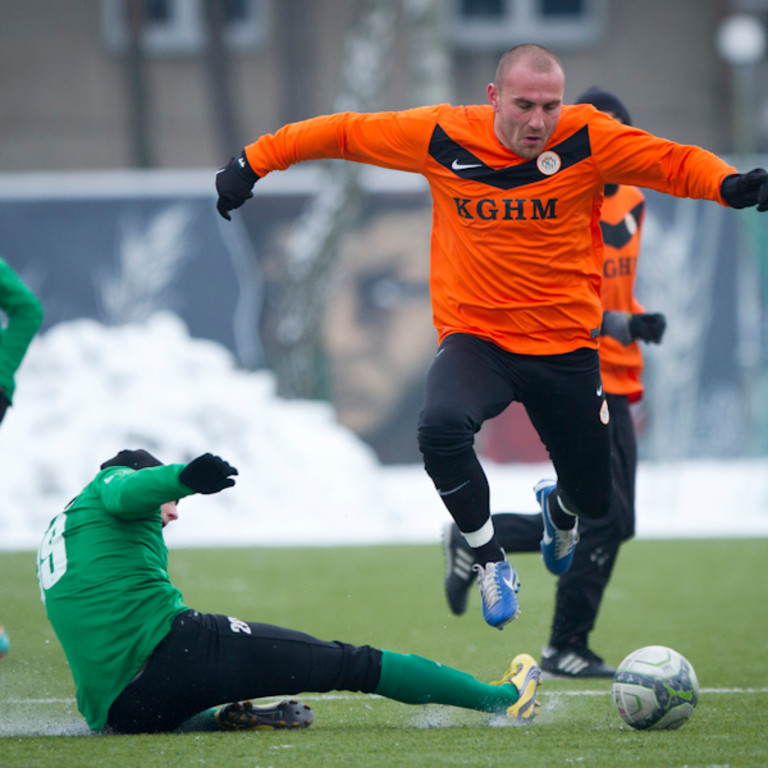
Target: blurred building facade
x: 115, y: 113
x: 80, y: 91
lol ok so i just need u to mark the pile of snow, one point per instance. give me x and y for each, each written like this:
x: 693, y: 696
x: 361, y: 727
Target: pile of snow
x: 85, y: 391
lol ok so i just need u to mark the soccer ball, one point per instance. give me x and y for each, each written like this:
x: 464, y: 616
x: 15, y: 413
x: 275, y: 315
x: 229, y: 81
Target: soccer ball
x: 655, y: 688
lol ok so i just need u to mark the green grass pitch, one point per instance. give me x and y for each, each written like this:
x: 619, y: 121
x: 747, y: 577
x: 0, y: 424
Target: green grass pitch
x: 707, y: 599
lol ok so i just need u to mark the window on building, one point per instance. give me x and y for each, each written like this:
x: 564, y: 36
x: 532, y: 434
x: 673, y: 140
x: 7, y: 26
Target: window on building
x: 484, y: 24
x: 478, y: 9
x: 180, y: 26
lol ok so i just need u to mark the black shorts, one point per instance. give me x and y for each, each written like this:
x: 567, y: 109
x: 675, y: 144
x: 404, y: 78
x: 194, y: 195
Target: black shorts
x: 209, y: 659
x: 472, y: 380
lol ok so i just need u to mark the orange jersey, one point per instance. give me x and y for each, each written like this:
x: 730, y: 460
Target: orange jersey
x: 516, y: 252
x: 621, y: 220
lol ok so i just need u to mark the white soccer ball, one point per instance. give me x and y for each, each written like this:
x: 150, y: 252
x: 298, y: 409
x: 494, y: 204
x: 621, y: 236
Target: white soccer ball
x: 655, y: 688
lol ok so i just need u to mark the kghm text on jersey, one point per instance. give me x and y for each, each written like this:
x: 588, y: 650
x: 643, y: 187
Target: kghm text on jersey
x: 622, y: 266
x: 506, y: 209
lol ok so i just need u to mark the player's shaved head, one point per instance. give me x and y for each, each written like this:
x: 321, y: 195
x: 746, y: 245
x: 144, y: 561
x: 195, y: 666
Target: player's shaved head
x: 537, y: 57
x: 526, y: 97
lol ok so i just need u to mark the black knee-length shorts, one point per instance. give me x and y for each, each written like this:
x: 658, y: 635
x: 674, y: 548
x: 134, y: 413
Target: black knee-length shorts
x: 210, y: 659
x: 472, y: 380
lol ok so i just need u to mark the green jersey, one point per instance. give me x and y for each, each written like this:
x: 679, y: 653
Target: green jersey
x: 102, y: 567
x: 24, y: 313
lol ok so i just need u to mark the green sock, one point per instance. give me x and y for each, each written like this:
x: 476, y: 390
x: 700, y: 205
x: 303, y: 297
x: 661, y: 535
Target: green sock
x: 202, y: 721
x: 416, y: 680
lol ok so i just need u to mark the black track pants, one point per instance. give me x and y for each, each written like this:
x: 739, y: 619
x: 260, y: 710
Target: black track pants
x: 580, y: 589
x: 209, y: 659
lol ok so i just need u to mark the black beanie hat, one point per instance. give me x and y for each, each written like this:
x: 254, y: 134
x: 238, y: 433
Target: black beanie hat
x: 605, y: 101
x: 139, y: 459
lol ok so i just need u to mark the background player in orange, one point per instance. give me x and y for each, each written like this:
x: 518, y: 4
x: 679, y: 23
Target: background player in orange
x: 515, y: 271
x: 580, y: 589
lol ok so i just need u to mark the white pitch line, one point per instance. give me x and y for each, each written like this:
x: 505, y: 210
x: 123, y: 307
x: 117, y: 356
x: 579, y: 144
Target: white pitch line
x: 352, y: 696
x: 606, y: 692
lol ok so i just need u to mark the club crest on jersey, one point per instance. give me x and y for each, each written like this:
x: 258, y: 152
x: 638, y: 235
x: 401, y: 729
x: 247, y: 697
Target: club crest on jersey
x: 548, y: 162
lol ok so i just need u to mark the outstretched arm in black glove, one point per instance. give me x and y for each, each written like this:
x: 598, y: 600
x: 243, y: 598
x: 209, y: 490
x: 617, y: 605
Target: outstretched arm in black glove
x: 234, y: 183
x: 742, y: 190
x: 648, y: 327
x: 626, y: 327
x: 208, y: 474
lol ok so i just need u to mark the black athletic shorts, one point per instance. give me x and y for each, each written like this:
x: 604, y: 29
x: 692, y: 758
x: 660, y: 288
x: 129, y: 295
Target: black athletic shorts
x: 209, y: 659
x: 472, y: 380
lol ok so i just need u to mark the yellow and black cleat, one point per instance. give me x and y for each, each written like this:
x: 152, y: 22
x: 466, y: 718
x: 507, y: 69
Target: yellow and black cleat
x: 525, y: 675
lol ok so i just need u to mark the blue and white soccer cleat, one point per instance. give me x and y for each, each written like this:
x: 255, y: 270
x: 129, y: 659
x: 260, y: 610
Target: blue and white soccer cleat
x: 557, y: 545
x: 498, y: 587
x: 525, y: 675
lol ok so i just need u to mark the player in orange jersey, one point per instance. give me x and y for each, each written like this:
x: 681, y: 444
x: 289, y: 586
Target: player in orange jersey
x: 580, y: 589
x: 516, y: 262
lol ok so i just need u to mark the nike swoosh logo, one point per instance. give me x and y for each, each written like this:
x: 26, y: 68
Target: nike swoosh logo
x: 599, y: 391
x: 457, y: 166
x: 546, y: 538
x: 453, y: 490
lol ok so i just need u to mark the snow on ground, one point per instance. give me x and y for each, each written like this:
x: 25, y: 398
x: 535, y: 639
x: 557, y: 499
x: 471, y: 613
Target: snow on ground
x: 86, y: 391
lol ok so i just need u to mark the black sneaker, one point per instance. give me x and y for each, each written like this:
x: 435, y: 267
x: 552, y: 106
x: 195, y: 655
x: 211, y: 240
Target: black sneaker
x: 573, y: 662
x: 459, y: 559
x: 246, y: 716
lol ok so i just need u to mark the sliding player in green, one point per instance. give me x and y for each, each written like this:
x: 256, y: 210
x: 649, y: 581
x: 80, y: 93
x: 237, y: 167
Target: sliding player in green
x: 144, y: 662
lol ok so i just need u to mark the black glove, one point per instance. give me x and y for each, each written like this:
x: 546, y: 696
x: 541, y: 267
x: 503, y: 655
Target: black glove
x: 234, y: 183
x: 207, y: 474
x: 742, y: 190
x: 4, y: 403
x: 649, y: 328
